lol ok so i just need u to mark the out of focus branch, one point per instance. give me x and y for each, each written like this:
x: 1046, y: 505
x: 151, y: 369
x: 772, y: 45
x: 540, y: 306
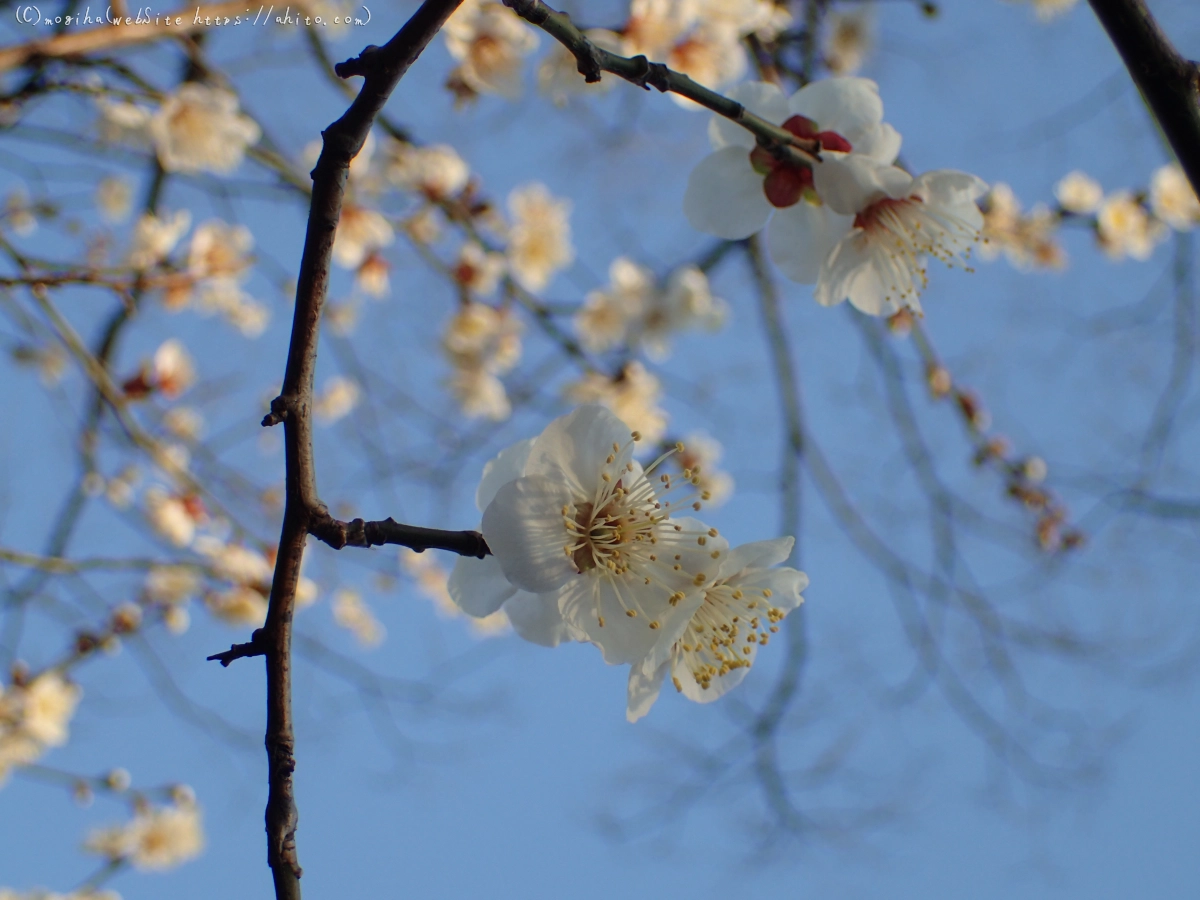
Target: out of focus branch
x: 645, y: 74
x: 107, y: 37
x: 382, y: 69
x: 1170, y: 83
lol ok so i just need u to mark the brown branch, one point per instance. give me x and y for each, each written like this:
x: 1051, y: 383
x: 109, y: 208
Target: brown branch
x: 1169, y: 83
x: 304, y: 513
x: 106, y: 36
x: 357, y: 533
x: 638, y: 70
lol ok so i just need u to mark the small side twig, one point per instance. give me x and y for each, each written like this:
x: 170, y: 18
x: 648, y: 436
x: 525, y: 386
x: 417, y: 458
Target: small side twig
x: 255, y: 647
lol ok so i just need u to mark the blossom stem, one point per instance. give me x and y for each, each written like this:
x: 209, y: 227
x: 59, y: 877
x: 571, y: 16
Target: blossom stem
x: 645, y: 74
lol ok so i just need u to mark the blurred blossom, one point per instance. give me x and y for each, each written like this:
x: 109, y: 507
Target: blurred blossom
x: 171, y: 515
x: 438, y: 171
x: 1028, y: 240
x: 606, y: 316
x: 177, y: 619
x: 156, y: 839
x: 372, y: 276
x: 480, y: 394
x: 1173, y: 199
x: 114, y: 197
x: 238, y: 605
x: 559, y: 77
x: 360, y: 230
x: 1078, y: 193
x: 424, y: 226
x: 479, y: 335
x: 336, y: 400
x: 1124, y: 228
x: 539, y: 242
x: 122, y: 122
x: 235, y: 562
x: 685, y: 302
x: 169, y: 585
x: 183, y: 422
x: 199, y: 129
x: 42, y: 709
x: 342, y: 317
x: 478, y: 270
x: 119, y: 489
x: 1047, y: 10
x: 19, y: 213
x: 351, y: 613
x: 633, y: 395
x: 154, y: 238
x: 490, y: 43
x: 848, y: 40
x: 172, y: 371
x: 219, y: 250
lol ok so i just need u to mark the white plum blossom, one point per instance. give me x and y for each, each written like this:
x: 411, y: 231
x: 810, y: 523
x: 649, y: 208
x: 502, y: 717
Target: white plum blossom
x: 482, y: 342
x: 711, y: 647
x: 238, y: 605
x: 898, y: 221
x: 155, y: 839
x: 700, y: 456
x: 171, y: 515
x: 604, y: 320
x: 154, y: 238
x: 584, y: 543
x: 1078, y: 193
x: 848, y: 40
x: 1173, y: 199
x: 114, y: 195
x: 479, y: 270
x: 1124, y: 228
x: 490, y: 42
x: 539, y: 242
x: 199, y: 129
x: 1027, y: 239
x: 437, y: 171
x: 735, y: 190
x: 172, y: 371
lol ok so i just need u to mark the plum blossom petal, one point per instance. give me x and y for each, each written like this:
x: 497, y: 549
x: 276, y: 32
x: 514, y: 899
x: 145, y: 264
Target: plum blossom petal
x: 851, y: 107
x: 508, y: 465
x: 725, y: 196
x: 853, y: 273
x: 523, y: 526
x: 760, y: 97
x: 800, y: 237
x: 535, y: 617
x: 478, y: 586
x: 644, y: 689
x: 579, y: 445
x: 851, y: 183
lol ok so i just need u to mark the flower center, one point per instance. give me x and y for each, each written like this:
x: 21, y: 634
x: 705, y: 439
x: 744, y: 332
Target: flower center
x: 624, y: 533
x: 726, y: 630
x: 786, y: 182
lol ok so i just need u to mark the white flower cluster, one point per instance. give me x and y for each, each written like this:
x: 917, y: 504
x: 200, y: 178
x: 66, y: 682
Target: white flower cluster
x: 1126, y: 223
x: 157, y: 838
x: 854, y: 224
x: 635, y: 310
x: 482, y: 342
x: 198, y: 128
x: 34, y: 716
x: 590, y: 546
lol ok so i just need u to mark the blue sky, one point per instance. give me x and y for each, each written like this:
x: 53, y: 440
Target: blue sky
x: 505, y: 769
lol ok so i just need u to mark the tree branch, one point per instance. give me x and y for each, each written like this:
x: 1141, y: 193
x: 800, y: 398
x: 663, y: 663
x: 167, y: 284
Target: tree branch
x: 382, y: 68
x: 645, y: 74
x: 1169, y: 83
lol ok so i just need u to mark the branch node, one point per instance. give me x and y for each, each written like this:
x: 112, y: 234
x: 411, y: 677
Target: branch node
x: 254, y: 647
x: 360, y: 65
x: 281, y: 407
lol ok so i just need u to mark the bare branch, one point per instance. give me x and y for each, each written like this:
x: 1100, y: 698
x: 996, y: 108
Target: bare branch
x: 1170, y: 83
